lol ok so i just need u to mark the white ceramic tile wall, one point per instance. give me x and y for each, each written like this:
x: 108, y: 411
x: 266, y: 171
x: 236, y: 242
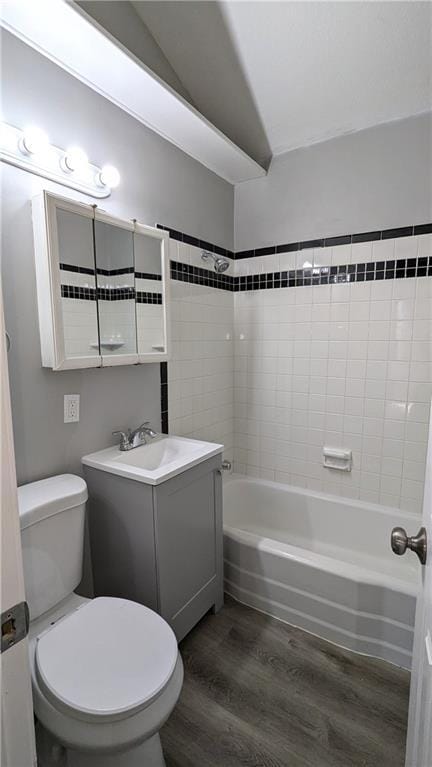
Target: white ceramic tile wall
x: 200, y: 372
x: 116, y: 281
x: 80, y: 326
x: 148, y: 286
x: 381, y: 250
x: 117, y: 321
x: 76, y: 279
x: 342, y: 365
x: 150, y: 328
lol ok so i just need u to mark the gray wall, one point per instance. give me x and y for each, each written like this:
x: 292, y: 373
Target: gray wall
x: 375, y: 179
x: 159, y: 183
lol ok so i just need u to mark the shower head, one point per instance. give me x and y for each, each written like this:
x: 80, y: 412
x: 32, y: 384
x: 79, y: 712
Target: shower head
x: 220, y: 263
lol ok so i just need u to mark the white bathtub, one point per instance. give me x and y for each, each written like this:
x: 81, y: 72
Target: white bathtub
x: 322, y: 563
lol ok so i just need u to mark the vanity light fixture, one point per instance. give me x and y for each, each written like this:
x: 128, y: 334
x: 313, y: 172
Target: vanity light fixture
x: 33, y: 141
x: 30, y: 150
x: 74, y: 160
x: 109, y: 176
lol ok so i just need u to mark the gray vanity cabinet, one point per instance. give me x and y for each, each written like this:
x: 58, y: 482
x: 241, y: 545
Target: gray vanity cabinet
x: 159, y: 545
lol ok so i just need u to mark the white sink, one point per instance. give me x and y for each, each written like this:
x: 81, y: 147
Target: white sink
x: 159, y: 460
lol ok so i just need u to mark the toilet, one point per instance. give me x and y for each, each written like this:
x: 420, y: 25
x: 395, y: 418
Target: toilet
x: 106, y: 672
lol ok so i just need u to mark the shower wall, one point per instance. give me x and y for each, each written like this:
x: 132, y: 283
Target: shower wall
x: 319, y: 343
x: 340, y: 357
x: 345, y: 363
x: 289, y: 352
x: 201, y: 370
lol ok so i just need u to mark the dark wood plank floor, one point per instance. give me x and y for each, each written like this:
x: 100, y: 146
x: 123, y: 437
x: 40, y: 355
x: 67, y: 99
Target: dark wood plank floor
x: 263, y: 694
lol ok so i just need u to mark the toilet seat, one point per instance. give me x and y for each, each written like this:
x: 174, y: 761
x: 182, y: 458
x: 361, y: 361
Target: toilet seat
x: 105, y: 661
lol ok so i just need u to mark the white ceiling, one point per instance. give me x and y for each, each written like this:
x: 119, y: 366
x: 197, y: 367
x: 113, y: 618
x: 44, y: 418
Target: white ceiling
x: 321, y: 69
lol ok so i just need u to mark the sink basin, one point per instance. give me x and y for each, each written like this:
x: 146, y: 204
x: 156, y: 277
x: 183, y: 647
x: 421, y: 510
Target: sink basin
x: 159, y: 460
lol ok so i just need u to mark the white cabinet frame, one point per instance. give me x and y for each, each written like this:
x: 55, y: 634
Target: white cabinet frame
x: 163, y: 236
x: 48, y: 281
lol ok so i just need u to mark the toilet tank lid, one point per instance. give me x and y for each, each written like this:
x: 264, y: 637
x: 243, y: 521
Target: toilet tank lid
x: 42, y: 499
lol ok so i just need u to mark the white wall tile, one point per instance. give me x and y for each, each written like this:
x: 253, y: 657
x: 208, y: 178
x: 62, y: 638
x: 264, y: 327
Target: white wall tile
x: 80, y: 327
x: 201, y: 371
x: 405, y: 288
x: 341, y: 254
x: 379, y: 290
x: 383, y: 250
x: 286, y: 371
x: 361, y: 252
x: 406, y: 247
x: 348, y: 374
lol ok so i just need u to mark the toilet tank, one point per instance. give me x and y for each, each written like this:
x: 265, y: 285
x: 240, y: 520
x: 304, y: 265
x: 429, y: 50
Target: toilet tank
x: 52, y: 515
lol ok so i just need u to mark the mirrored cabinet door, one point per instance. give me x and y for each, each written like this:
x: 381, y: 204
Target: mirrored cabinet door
x: 115, y: 276
x: 78, y: 284
x: 102, y: 286
x: 151, y: 264
x: 66, y: 282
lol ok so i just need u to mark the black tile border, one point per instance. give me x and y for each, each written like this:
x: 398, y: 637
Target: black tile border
x: 82, y: 294
x: 423, y: 229
x: 110, y: 294
x: 323, y: 275
x: 321, y: 242
x: 306, y: 244
x: 344, y: 239
x: 163, y: 367
x: 268, y: 250
x: 196, y: 242
x: 76, y: 269
x: 116, y: 294
x: 199, y: 276
x: 143, y: 297
x: 147, y: 276
x: 319, y: 275
x: 110, y: 272
x: 331, y: 242
x: 366, y: 237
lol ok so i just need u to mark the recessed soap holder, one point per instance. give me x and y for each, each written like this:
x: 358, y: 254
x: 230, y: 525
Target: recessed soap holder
x: 335, y: 458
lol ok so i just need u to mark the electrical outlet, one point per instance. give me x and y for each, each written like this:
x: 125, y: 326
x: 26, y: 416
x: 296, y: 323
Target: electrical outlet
x: 71, y: 408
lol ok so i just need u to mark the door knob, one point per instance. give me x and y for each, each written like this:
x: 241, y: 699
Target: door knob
x: 400, y: 542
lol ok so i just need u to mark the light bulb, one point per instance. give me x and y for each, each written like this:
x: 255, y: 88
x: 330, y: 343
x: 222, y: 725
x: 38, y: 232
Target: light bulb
x: 74, y: 159
x: 109, y: 176
x: 33, y: 141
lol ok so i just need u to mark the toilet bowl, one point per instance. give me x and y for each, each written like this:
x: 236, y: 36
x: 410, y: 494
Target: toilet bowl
x: 106, y: 672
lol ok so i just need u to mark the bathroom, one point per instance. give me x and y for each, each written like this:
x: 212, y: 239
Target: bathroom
x: 265, y: 167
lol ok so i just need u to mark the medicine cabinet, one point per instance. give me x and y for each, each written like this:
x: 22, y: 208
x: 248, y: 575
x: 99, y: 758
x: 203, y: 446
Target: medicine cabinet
x: 102, y: 286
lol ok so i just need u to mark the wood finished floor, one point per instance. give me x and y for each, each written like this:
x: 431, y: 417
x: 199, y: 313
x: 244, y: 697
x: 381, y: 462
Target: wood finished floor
x: 263, y: 694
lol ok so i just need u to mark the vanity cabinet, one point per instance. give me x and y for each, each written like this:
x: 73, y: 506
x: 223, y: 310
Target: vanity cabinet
x: 102, y: 286
x: 159, y: 545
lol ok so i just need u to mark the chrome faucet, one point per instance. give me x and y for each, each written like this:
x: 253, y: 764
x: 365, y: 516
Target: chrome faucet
x: 130, y: 439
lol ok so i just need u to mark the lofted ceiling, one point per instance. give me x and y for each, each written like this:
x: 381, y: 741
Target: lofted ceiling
x: 196, y: 39
x: 274, y: 76
x: 321, y: 69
